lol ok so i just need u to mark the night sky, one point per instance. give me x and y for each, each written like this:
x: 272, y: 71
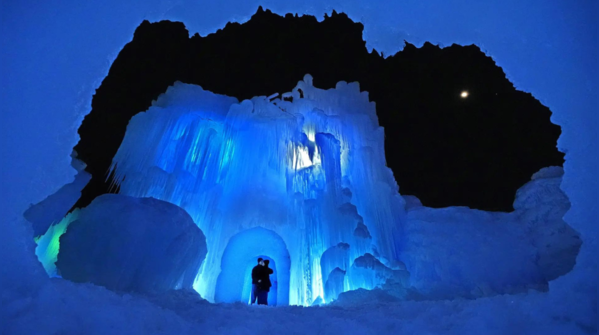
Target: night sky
x: 444, y: 148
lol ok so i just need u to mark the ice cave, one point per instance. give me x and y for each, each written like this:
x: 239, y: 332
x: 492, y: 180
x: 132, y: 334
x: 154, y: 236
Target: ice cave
x: 152, y: 224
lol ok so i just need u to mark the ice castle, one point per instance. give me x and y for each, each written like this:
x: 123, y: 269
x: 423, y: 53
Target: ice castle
x: 548, y: 49
x: 299, y: 178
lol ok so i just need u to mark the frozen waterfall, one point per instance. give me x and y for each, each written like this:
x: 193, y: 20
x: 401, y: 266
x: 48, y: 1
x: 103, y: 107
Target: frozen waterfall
x: 308, y: 166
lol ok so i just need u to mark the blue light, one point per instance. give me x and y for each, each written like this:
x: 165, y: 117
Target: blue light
x: 240, y: 256
x: 48, y: 245
x: 255, y: 166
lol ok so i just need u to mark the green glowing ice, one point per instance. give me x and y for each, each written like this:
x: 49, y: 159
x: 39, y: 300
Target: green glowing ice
x: 48, y: 245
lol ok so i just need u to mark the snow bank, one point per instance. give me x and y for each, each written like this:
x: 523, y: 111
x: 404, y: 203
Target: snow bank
x: 457, y: 251
x: 367, y: 272
x: 540, y: 206
x: 53, y: 209
x: 132, y: 245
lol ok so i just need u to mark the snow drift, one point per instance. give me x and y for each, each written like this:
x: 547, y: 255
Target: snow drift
x: 132, y: 245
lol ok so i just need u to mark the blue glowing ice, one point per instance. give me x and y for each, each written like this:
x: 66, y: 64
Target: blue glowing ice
x: 308, y: 168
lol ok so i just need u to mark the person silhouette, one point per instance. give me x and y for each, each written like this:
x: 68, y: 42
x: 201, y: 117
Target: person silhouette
x: 264, y: 283
x: 256, y: 279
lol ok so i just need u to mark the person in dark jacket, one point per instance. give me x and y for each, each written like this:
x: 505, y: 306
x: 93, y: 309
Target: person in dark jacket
x: 257, y: 274
x: 264, y: 283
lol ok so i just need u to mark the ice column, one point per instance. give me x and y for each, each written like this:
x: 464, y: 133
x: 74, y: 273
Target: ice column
x: 309, y: 167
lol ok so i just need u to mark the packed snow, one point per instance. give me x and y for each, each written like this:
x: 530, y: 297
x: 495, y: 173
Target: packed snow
x: 132, y: 245
x: 52, y: 209
x: 62, y: 307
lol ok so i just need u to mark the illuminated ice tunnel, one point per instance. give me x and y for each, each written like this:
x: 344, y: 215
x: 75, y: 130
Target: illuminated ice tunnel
x: 308, y: 167
x: 240, y: 256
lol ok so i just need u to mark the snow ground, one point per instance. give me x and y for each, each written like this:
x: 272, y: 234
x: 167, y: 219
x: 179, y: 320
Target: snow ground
x: 63, y: 307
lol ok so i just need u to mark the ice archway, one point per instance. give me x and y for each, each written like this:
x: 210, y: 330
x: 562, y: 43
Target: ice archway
x: 310, y: 168
x: 240, y: 255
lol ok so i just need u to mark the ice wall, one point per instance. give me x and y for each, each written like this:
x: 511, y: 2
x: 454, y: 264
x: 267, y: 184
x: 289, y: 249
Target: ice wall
x: 460, y: 252
x: 457, y: 251
x: 309, y: 166
x: 132, y: 244
x: 54, y: 208
x: 540, y: 206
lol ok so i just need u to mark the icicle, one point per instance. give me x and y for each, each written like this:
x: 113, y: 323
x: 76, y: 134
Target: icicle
x: 309, y: 168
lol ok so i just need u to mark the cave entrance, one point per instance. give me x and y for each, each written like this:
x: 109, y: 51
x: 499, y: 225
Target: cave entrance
x: 240, y: 256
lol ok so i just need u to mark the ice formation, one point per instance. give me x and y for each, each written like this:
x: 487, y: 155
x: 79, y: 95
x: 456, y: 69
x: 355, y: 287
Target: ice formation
x: 53, y: 209
x: 132, y: 245
x: 308, y: 166
x: 457, y: 251
x: 41, y: 107
x: 540, y: 206
x: 302, y: 180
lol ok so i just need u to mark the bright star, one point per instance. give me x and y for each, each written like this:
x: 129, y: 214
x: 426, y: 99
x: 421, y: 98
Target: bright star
x: 464, y: 94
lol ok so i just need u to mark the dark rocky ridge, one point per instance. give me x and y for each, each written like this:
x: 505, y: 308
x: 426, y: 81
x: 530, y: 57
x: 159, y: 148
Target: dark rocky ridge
x: 445, y: 150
